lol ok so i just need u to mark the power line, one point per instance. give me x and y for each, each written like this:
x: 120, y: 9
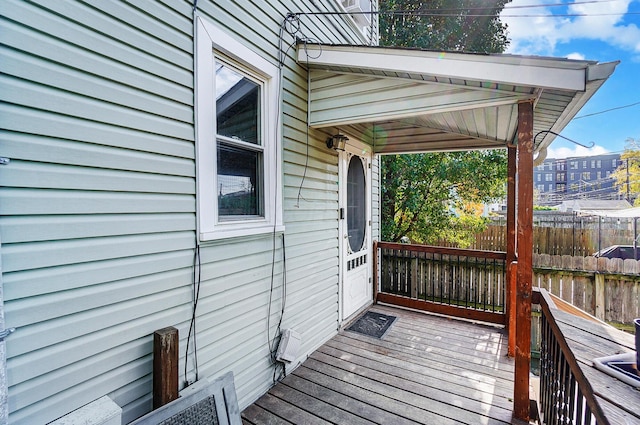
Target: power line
x: 607, y: 110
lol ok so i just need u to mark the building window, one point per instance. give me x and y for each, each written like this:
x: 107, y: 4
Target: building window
x: 540, y: 188
x: 561, y: 187
x: 599, y: 163
x: 584, y: 164
x: 599, y: 175
x: 608, y: 173
x: 539, y: 177
x: 560, y: 177
x: 237, y: 170
x: 593, y: 163
x: 548, y: 177
x: 586, y: 175
x: 550, y: 187
x: 572, y: 176
x: 614, y: 163
x: 573, y: 165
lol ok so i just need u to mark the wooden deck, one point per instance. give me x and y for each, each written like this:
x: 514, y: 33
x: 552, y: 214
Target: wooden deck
x: 425, y: 370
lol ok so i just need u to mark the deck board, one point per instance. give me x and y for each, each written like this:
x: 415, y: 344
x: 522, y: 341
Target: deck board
x: 426, y: 369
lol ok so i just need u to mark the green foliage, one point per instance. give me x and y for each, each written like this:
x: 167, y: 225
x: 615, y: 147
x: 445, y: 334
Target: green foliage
x: 451, y: 25
x: 628, y: 174
x: 428, y: 197
x: 543, y: 208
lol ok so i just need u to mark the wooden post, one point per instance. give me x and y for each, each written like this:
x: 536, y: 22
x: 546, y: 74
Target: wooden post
x: 511, y: 243
x: 599, y: 295
x: 525, y: 261
x: 512, y: 278
x: 165, y: 366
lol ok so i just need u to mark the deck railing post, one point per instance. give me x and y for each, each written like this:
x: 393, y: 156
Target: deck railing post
x: 525, y: 261
x: 512, y: 277
x: 511, y: 239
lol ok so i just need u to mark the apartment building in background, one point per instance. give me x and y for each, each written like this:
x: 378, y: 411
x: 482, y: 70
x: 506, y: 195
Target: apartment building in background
x: 587, y: 177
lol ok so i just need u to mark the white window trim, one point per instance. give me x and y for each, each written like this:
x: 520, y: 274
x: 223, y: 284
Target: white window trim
x: 210, y: 37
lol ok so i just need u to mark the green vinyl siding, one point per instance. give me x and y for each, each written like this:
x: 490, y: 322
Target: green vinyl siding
x: 98, y: 205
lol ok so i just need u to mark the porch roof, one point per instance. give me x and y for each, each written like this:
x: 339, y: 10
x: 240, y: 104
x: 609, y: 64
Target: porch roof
x: 402, y: 100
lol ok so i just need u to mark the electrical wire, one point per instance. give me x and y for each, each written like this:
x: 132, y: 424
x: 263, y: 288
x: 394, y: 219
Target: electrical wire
x: 435, y: 13
x: 197, y: 278
x: 607, y: 110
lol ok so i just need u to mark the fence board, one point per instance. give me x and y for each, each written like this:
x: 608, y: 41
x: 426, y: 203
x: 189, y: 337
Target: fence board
x: 574, y: 280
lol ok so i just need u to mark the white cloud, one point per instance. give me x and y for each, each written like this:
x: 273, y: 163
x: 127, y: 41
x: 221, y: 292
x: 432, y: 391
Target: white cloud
x: 576, y: 56
x: 539, y: 35
x: 565, y: 152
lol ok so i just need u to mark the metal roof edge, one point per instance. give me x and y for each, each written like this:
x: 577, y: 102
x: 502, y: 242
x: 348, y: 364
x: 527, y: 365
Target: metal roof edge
x: 601, y: 71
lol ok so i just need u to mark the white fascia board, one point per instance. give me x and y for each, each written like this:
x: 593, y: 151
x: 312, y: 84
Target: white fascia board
x: 458, y: 66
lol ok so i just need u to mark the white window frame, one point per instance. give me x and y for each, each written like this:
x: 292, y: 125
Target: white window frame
x: 211, y: 40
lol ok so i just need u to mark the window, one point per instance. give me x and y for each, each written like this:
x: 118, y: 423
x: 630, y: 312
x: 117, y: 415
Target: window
x: 572, y: 176
x: 561, y: 187
x: 539, y: 177
x: 614, y: 163
x: 599, y: 163
x: 560, y: 176
x: 540, y: 188
x: 584, y: 164
x: 550, y: 187
x: 599, y: 175
x: 573, y: 165
x: 586, y: 175
x: 593, y: 163
x: 608, y: 173
x: 238, y: 184
x: 548, y: 177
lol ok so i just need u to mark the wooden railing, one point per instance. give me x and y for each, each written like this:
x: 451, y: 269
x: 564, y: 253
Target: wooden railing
x: 456, y: 282
x: 566, y: 396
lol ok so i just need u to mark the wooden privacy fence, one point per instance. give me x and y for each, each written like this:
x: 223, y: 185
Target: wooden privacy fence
x: 608, y: 289
x: 458, y: 282
x: 578, y: 236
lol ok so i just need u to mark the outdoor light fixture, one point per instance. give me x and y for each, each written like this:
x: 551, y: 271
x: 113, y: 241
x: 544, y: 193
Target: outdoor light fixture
x: 337, y: 142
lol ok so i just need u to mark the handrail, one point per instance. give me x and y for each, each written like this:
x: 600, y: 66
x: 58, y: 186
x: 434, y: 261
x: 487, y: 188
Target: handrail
x: 493, y: 255
x: 566, y: 394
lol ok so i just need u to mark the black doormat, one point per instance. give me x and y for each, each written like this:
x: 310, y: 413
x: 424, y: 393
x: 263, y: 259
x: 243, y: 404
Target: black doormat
x: 372, y: 324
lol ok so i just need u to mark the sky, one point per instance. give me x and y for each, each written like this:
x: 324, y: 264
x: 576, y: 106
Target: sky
x: 605, y: 31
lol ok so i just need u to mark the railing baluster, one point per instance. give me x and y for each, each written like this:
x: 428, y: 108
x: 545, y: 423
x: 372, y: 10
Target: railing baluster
x: 449, y: 277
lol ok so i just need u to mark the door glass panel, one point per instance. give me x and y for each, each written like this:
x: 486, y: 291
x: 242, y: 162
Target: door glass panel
x: 356, y: 204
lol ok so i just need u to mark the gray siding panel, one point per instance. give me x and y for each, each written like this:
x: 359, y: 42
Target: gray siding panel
x: 98, y: 210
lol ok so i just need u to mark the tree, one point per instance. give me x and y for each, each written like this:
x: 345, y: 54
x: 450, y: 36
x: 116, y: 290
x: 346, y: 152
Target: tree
x: 627, y: 175
x: 451, y: 25
x: 430, y: 197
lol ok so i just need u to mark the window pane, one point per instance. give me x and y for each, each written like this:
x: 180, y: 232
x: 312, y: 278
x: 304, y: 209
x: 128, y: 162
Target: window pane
x: 237, y: 105
x: 356, y: 203
x: 239, y: 181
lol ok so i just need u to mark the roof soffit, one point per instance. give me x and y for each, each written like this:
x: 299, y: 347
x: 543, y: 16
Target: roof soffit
x: 430, y: 101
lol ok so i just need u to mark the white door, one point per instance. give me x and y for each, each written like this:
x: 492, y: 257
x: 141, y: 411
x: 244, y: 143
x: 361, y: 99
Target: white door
x: 355, y: 228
